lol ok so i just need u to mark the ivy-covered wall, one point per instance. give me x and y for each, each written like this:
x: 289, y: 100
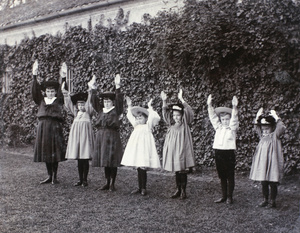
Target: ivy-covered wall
x: 249, y: 49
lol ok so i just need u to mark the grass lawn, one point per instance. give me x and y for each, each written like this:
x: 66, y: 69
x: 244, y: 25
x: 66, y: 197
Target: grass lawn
x: 26, y: 206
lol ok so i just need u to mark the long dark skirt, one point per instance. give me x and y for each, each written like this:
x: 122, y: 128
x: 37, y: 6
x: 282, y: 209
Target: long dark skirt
x: 49, y: 146
x: 108, y: 149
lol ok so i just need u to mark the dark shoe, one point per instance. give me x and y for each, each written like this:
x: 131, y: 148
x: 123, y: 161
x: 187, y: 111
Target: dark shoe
x: 78, y: 183
x: 55, y: 181
x: 112, y: 188
x: 136, y: 191
x: 221, y: 200
x: 263, y: 204
x: 47, y: 181
x: 272, y: 204
x: 105, y: 187
x: 183, y: 195
x: 176, y: 194
x: 143, y: 192
x: 229, y: 200
x: 84, y: 184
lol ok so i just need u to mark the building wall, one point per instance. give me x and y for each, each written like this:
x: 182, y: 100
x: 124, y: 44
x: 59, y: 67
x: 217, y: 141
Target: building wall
x: 55, y: 23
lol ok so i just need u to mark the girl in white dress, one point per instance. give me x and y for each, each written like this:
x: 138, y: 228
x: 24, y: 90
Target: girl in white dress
x: 81, y: 137
x: 141, y: 151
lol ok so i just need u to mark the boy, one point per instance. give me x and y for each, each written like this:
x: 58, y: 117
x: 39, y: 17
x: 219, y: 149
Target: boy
x: 225, y: 123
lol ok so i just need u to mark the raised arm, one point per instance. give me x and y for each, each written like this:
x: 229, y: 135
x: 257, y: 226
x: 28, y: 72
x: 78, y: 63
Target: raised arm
x: 213, y: 117
x: 36, y: 87
x: 188, y: 111
x: 153, y: 118
x: 94, y: 100
x: 119, y: 96
x: 280, y: 127
x: 166, y: 113
x: 234, y: 120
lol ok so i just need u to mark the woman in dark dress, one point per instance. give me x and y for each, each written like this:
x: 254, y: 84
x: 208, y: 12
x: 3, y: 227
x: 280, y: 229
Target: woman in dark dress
x: 108, y: 147
x: 49, y: 145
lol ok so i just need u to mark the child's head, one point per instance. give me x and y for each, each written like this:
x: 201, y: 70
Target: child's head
x: 177, y: 112
x: 79, y: 100
x: 140, y: 114
x: 108, y: 99
x: 50, y: 92
x: 266, y: 123
x: 224, y: 115
x: 81, y: 106
x: 225, y: 118
x: 50, y: 88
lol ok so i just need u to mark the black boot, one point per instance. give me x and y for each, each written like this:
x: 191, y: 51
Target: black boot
x: 86, y: 167
x: 265, y: 191
x: 224, y: 191
x: 139, y: 189
x: 80, y: 172
x: 178, y: 184
x: 107, y: 176
x: 274, y: 191
x: 49, y: 171
x: 113, y: 176
x: 54, y: 168
x: 183, y: 185
x: 144, y: 182
x: 230, y: 190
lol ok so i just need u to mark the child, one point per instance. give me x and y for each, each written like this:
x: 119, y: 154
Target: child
x: 178, y: 154
x: 49, y: 145
x: 108, y: 146
x: 267, y: 164
x: 81, y: 138
x: 141, y: 150
x: 225, y: 122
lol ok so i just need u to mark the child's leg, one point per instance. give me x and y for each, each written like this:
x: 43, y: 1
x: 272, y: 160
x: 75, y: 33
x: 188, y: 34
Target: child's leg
x: 80, y: 172
x: 143, y: 181
x: 49, y: 171
x: 230, y: 176
x: 55, y: 168
x: 274, y: 191
x: 178, y: 184
x: 107, y: 172
x: 183, y: 182
x: 265, y: 191
x: 113, y: 176
x: 139, y: 182
x: 85, y: 170
x: 221, y: 169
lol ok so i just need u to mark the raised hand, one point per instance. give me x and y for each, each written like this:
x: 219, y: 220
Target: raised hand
x: 117, y: 80
x: 259, y: 113
x: 63, y: 70
x: 63, y: 90
x: 150, y: 103
x: 163, y: 96
x: 274, y: 114
x: 180, y: 95
x: 35, y: 67
x: 92, y: 83
x: 128, y: 101
x: 209, y: 100
x: 234, y: 101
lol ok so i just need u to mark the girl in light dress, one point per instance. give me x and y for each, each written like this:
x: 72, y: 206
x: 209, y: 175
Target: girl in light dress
x: 81, y: 138
x: 141, y: 151
x: 267, y: 164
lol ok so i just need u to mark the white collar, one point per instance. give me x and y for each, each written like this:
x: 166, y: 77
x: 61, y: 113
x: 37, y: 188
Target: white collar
x: 49, y: 101
x: 106, y: 110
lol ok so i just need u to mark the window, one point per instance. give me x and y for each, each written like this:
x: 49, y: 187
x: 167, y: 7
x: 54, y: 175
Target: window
x: 6, y: 79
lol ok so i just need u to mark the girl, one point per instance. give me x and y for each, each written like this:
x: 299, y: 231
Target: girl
x: 81, y: 138
x: 267, y: 164
x: 49, y: 145
x: 141, y: 150
x: 178, y: 152
x: 225, y: 122
x: 108, y: 146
